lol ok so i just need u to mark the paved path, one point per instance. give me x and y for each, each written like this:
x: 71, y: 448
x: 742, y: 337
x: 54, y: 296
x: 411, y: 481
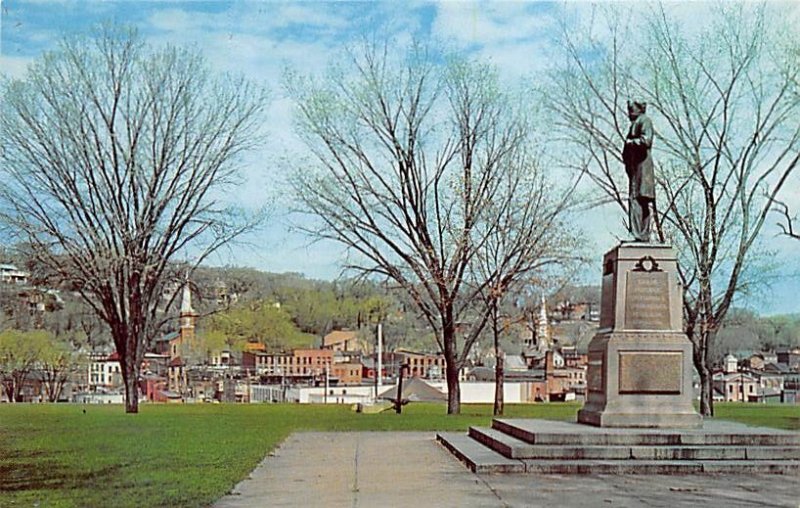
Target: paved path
x: 410, y: 470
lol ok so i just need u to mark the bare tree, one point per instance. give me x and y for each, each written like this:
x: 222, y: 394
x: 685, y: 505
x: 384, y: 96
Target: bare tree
x: 114, y: 156
x: 526, y: 242
x: 727, y: 140
x: 787, y: 220
x: 408, y: 155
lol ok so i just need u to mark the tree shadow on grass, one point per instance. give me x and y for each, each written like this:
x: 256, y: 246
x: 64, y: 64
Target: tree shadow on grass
x: 44, y: 475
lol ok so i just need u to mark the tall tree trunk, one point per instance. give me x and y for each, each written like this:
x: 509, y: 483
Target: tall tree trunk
x: 706, y: 377
x: 499, y: 372
x: 130, y: 378
x: 131, y: 392
x: 451, y: 364
x: 700, y: 343
x: 499, y: 379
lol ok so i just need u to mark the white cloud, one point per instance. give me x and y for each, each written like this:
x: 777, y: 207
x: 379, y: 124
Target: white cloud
x: 174, y: 20
x: 304, y: 14
x: 14, y: 66
x: 514, y: 36
x: 492, y: 23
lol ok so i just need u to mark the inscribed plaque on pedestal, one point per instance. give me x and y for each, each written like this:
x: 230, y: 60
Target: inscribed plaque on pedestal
x: 643, y: 372
x: 647, y: 301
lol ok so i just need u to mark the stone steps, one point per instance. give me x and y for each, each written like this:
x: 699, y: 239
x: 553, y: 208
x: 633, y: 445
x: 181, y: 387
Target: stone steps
x: 514, y: 448
x: 544, y: 447
x: 478, y: 458
x: 720, y: 433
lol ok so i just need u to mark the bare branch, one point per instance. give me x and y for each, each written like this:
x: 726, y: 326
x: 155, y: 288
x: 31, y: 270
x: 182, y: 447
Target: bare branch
x: 787, y: 220
x: 114, y: 160
x: 415, y: 157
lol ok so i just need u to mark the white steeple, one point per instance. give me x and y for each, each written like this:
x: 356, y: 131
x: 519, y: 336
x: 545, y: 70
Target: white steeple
x: 186, y: 301
x: 188, y: 315
x: 542, y: 329
x: 543, y: 313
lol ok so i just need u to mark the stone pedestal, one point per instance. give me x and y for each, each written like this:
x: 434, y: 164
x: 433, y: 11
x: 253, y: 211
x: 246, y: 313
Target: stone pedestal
x: 640, y: 361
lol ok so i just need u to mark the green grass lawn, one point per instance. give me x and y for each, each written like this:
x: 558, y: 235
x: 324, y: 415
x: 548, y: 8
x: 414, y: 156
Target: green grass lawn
x: 190, y: 455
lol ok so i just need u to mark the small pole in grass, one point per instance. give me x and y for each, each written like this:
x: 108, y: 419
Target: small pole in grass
x: 398, y: 403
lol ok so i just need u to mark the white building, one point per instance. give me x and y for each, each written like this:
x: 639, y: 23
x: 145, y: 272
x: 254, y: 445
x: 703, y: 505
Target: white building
x: 334, y: 394
x: 10, y: 274
x: 105, y: 372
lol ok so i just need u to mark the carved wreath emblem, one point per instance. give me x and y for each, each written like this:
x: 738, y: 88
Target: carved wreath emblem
x: 646, y: 264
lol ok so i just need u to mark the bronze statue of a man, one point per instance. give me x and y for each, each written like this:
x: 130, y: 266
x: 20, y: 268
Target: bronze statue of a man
x: 639, y: 167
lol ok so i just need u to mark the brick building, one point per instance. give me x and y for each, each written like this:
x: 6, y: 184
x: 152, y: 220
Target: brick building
x: 421, y: 364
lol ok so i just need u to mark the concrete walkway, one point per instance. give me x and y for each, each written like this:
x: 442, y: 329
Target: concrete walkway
x: 410, y: 470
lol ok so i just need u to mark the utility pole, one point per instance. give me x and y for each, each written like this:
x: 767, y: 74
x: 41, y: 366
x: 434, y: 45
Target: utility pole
x: 398, y: 404
x: 378, y: 374
x: 326, y: 383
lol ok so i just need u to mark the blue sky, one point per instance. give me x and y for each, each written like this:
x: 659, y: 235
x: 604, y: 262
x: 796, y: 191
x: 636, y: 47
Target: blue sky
x: 260, y: 38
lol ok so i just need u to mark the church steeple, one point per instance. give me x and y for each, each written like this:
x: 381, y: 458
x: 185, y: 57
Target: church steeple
x: 186, y: 301
x: 543, y: 328
x: 187, y: 316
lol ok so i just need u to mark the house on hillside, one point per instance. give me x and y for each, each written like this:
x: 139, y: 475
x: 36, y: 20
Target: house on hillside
x: 344, y: 340
x: 789, y: 356
x: 10, y: 274
x: 758, y: 361
x: 222, y: 358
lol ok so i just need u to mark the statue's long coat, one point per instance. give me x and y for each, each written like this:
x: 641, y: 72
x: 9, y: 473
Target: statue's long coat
x: 637, y: 158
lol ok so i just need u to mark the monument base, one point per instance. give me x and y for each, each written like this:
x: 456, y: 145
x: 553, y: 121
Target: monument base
x: 640, y: 380
x: 640, y: 420
x: 640, y: 362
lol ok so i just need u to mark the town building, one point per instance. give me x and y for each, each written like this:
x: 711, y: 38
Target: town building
x: 344, y: 340
x: 105, y: 373
x: 789, y: 356
x: 550, y: 380
x: 297, y: 366
x: 573, y: 358
x: 425, y: 365
x: 347, y: 373
x: 10, y: 274
x: 369, y: 368
x: 736, y: 386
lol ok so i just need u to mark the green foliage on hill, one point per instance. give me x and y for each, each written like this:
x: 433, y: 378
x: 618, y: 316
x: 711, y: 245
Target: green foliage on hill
x: 256, y: 321
x: 744, y: 330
